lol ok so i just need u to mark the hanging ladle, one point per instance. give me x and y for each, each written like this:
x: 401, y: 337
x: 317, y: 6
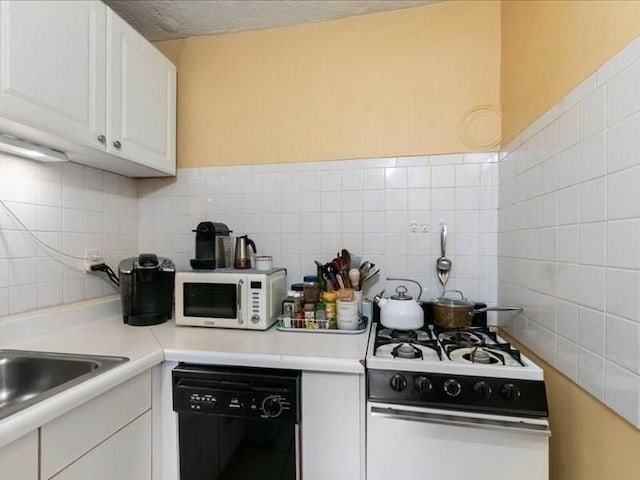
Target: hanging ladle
x: 443, y: 264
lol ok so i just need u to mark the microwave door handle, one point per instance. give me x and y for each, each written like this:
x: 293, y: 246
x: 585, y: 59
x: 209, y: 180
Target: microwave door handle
x: 239, y: 299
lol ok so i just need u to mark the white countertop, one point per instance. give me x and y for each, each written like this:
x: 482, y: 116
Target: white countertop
x: 96, y: 327
x: 271, y: 348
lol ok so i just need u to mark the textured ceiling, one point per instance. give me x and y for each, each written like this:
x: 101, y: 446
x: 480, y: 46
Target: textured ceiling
x: 170, y: 19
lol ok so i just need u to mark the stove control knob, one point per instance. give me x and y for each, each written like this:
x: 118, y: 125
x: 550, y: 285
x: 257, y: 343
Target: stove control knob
x: 510, y: 392
x: 482, y: 389
x: 423, y: 385
x: 271, y: 407
x: 452, y: 387
x: 398, y: 383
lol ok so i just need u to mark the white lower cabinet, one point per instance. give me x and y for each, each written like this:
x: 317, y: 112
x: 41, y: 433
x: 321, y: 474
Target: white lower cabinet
x: 19, y: 460
x: 333, y: 426
x: 125, y: 455
x: 109, y: 435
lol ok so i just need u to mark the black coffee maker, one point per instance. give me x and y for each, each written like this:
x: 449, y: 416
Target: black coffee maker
x: 209, y: 252
x: 146, y: 289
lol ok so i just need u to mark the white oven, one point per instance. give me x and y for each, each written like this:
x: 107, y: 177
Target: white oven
x: 453, y: 405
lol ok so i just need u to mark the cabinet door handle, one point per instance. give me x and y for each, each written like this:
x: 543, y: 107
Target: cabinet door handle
x: 102, y: 139
x: 117, y: 144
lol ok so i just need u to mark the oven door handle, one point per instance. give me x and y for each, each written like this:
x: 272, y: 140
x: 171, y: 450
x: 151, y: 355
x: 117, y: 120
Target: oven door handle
x: 460, y: 421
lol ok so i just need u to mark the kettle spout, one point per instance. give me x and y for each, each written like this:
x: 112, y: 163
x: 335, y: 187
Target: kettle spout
x: 379, y: 300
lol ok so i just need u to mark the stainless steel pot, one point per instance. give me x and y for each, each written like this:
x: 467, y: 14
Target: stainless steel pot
x: 458, y: 312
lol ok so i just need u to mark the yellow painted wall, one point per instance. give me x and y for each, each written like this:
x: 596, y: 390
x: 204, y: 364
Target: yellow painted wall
x: 588, y: 440
x: 549, y: 47
x: 388, y: 84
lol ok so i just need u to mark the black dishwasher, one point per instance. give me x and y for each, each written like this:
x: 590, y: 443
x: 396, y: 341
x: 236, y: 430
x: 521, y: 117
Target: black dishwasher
x: 237, y: 423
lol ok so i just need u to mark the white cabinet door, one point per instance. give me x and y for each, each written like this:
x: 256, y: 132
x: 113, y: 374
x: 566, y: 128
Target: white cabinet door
x: 332, y: 426
x: 125, y: 455
x: 72, y: 435
x: 142, y: 98
x: 19, y: 460
x: 53, y: 67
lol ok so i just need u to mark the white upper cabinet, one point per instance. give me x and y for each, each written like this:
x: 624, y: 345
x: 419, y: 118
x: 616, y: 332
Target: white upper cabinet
x: 53, y: 67
x: 142, y: 98
x: 75, y: 76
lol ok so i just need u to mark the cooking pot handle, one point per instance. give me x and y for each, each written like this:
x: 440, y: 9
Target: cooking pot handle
x: 407, y: 280
x: 495, y: 309
x: 444, y: 294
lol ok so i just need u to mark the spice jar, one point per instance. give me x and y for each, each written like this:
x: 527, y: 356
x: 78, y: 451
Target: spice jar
x: 291, y: 304
x: 329, y: 299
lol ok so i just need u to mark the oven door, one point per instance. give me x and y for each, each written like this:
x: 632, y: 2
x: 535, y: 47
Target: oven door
x: 409, y: 443
x: 211, y: 300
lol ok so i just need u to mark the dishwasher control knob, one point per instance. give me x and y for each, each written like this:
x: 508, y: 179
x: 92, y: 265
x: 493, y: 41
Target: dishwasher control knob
x: 423, y: 385
x: 398, y: 383
x: 510, y: 392
x: 452, y: 387
x: 482, y: 389
x: 271, y: 407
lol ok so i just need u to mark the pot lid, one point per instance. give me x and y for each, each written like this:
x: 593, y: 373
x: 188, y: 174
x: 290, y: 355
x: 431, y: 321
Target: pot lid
x: 401, y: 294
x: 449, y: 302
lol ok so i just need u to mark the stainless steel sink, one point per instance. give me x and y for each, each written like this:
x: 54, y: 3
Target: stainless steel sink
x: 28, y: 377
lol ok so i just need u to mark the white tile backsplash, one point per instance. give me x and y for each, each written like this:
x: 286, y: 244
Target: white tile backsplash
x: 302, y: 212
x: 69, y: 207
x: 586, y: 273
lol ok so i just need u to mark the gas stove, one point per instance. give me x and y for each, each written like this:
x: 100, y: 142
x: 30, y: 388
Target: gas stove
x: 452, y: 399
x: 471, y: 369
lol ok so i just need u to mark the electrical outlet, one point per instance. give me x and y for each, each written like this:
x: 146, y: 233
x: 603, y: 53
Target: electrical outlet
x: 91, y: 257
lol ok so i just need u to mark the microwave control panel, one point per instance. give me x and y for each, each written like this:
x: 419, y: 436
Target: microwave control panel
x: 265, y: 295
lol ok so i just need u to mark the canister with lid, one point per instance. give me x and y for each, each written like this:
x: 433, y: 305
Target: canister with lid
x: 311, y: 289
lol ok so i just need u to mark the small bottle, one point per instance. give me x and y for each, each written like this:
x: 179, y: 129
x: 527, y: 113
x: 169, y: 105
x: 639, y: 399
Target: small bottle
x: 322, y: 282
x: 329, y: 299
x: 287, y: 315
x: 309, y: 315
x: 289, y: 304
x: 321, y: 317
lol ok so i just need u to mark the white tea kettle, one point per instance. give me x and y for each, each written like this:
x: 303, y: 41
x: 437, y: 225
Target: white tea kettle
x: 401, y: 311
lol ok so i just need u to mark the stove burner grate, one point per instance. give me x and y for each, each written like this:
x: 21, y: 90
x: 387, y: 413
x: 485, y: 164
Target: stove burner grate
x: 479, y: 355
x: 467, y: 337
x: 411, y: 336
x: 406, y: 350
x: 500, y: 354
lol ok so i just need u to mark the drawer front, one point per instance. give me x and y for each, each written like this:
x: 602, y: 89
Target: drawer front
x: 126, y: 456
x: 19, y: 460
x: 69, y: 437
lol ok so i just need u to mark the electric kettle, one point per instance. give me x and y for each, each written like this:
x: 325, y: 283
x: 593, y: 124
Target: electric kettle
x: 242, y: 257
